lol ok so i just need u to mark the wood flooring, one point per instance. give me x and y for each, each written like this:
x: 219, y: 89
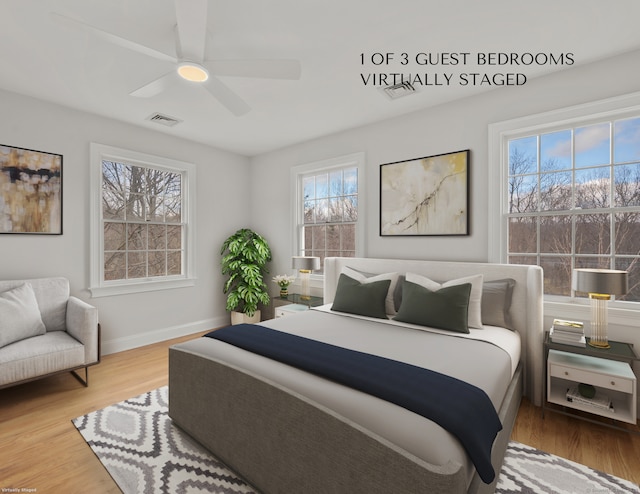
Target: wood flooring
x: 41, y: 451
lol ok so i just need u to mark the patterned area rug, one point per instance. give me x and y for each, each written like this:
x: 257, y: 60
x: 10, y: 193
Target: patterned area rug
x: 145, y: 453
x: 531, y: 471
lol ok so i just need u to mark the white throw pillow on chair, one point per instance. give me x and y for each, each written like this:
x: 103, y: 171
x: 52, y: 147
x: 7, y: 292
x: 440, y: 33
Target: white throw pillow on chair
x: 19, y: 315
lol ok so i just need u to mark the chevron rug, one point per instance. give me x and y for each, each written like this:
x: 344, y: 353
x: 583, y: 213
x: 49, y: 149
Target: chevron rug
x: 145, y: 453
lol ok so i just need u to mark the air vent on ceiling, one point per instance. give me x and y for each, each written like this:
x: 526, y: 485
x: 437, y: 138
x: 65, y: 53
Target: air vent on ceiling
x: 163, y: 119
x: 399, y: 90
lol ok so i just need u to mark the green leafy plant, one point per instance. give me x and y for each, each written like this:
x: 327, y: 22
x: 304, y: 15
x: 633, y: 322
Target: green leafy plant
x: 245, y: 255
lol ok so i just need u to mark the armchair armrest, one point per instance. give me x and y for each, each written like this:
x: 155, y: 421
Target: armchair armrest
x: 82, y: 324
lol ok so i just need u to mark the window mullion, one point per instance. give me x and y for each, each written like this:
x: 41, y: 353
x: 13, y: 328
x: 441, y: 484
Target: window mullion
x: 612, y: 204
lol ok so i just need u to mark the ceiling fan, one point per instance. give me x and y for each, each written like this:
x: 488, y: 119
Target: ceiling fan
x: 190, y: 62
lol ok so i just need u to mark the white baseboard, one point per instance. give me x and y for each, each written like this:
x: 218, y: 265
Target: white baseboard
x: 150, y: 337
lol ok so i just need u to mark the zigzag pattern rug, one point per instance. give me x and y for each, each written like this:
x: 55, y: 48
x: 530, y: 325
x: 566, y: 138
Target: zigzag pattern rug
x: 145, y: 453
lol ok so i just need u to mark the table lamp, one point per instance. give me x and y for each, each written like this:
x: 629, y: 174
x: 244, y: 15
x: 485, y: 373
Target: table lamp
x: 305, y: 264
x: 600, y: 284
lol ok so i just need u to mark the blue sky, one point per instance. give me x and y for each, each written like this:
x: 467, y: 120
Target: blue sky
x: 592, y: 144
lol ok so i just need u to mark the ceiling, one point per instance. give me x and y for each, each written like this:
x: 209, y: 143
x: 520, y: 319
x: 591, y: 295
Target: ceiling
x: 52, y: 61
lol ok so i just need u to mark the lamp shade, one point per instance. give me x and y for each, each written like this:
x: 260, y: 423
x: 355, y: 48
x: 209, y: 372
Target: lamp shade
x: 307, y: 263
x: 604, y: 281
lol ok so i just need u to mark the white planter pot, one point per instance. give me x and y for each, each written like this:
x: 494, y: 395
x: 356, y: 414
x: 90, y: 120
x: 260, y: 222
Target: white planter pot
x: 241, y: 317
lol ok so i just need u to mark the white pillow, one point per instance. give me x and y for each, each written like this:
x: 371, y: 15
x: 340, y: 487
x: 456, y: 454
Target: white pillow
x: 389, y: 304
x: 475, y: 298
x: 19, y: 315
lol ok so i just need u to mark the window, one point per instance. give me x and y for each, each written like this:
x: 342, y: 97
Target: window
x: 572, y: 197
x: 141, y: 222
x: 327, y: 205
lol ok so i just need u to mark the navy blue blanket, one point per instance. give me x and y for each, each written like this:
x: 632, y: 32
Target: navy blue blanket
x: 460, y: 408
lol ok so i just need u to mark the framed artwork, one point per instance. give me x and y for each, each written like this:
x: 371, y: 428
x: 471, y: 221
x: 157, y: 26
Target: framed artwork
x: 30, y: 191
x: 425, y: 196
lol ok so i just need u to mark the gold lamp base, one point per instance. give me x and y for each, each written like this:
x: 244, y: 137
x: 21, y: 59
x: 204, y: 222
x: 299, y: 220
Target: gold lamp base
x: 304, y: 278
x: 599, y: 321
x: 305, y: 264
x: 598, y: 344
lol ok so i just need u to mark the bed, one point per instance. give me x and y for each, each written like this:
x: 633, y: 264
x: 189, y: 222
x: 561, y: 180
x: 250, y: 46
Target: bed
x: 287, y: 430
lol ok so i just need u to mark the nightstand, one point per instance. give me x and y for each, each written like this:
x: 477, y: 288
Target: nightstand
x: 608, y: 372
x: 293, y: 298
x: 296, y: 298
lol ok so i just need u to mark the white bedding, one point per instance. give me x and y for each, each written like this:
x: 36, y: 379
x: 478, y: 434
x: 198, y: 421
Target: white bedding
x: 486, y: 364
x: 509, y: 341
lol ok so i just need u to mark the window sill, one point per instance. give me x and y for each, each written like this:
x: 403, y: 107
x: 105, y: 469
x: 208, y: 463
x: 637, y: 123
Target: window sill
x: 140, y: 287
x: 582, y: 311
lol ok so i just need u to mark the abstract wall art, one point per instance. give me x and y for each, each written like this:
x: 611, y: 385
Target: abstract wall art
x: 425, y: 196
x: 30, y: 191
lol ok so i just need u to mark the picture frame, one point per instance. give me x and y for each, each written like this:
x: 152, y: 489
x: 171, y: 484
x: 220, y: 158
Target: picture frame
x: 30, y: 191
x: 426, y: 196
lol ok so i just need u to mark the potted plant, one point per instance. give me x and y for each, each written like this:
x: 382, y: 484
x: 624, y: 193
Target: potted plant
x: 245, y: 255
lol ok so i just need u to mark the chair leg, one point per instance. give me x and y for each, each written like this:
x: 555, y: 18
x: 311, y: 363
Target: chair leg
x: 84, y: 381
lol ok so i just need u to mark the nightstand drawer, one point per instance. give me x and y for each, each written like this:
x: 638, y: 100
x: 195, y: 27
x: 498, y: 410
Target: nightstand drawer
x: 582, y: 376
x: 286, y: 310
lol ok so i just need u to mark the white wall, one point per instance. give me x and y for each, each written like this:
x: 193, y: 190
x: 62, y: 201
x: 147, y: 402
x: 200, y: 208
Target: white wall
x: 451, y: 127
x: 127, y: 320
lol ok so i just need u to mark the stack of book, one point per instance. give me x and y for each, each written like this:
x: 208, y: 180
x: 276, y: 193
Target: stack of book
x: 598, y: 401
x: 568, y: 332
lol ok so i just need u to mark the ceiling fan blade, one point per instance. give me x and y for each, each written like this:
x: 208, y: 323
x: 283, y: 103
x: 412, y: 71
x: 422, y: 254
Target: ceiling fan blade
x: 266, y: 69
x: 112, y: 38
x: 191, y: 16
x: 154, y: 87
x: 226, y: 96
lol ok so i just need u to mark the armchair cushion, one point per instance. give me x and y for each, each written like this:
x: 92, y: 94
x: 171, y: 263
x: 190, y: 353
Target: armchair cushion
x: 34, y: 357
x: 19, y: 315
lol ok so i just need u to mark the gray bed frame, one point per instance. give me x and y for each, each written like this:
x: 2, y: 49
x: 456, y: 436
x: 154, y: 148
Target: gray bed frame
x: 283, y: 442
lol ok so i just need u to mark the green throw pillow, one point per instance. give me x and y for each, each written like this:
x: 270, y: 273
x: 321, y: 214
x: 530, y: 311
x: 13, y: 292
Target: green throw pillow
x: 364, y: 299
x: 446, y: 308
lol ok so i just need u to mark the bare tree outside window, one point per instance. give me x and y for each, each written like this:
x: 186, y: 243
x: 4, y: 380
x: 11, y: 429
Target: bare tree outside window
x: 574, y: 201
x: 142, y: 222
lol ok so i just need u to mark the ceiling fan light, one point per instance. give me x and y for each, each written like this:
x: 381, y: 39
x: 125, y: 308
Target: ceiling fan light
x: 193, y: 72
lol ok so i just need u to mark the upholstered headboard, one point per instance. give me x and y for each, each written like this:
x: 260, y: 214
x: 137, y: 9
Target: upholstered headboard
x: 526, y: 307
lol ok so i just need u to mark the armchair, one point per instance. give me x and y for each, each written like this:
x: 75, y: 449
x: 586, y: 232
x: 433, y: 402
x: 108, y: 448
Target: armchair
x: 45, y: 331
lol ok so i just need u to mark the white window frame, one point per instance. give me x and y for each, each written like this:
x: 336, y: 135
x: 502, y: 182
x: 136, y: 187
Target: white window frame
x: 97, y: 285
x: 620, y: 107
x: 356, y: 160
